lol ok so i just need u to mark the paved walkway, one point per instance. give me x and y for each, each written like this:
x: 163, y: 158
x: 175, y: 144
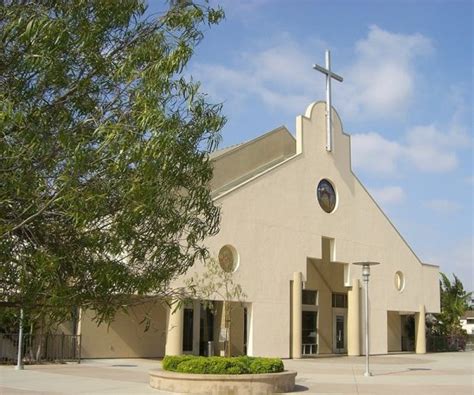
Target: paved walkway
x: 445, y: 373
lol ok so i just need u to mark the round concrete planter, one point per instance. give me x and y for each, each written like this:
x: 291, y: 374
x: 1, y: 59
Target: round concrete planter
x: 217, y: 384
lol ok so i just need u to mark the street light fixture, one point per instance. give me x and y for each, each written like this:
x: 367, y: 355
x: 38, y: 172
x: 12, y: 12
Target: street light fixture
x: 366, y: 274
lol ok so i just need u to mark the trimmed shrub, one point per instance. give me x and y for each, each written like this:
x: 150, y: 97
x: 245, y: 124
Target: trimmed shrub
x: 266, y: 365
x: 172, y: 362
x: 222, y: 365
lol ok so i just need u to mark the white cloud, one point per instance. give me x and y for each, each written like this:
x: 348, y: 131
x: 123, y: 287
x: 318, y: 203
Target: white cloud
x: 431, y: 150
x: 381, y: 81
x: 278, y: 76
x: 443, y: 206
x: 425, y: 148
x: 388, y: 195
x: 374, y: 153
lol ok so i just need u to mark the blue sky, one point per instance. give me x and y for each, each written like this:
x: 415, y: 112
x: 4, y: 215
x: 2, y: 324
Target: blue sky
x: 406, y: 100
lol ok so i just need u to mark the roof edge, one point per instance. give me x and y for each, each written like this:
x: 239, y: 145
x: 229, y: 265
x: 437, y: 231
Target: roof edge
x: 245, y: 144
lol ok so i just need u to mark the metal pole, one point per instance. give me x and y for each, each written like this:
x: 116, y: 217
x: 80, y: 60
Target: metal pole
x: 19, y: 362
x: 328, y: 102
x: 367, y: 372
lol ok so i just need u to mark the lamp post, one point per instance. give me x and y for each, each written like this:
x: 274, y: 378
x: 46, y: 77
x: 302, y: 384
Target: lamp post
x: 19, y: 361
x: 366, y: 274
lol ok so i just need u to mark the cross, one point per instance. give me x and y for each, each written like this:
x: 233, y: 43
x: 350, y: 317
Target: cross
x: 329, y: 75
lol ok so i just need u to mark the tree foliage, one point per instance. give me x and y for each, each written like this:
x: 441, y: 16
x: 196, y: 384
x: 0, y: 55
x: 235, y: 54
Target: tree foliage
x: 104, y: 146
x: 454, y: 303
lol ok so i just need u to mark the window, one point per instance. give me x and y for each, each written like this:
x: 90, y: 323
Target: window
x: 399, y: 281
x: 309, y: 297
x: 339, y: 300
x: 228, y: 258
x: 470, y: 320
x: 309, y: 332
x: 326, y: 196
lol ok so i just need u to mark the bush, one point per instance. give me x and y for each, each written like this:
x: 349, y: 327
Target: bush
x: 222, y: 365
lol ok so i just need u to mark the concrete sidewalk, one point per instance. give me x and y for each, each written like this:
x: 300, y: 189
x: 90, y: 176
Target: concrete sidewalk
x: 444, y: 373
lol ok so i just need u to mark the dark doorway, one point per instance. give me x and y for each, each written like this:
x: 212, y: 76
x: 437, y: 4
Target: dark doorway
x: 206, y: 330
x: 308, y: 327
x: 188, y: 330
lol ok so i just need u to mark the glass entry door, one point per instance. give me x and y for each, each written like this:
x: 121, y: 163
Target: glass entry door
x: 339, y: 333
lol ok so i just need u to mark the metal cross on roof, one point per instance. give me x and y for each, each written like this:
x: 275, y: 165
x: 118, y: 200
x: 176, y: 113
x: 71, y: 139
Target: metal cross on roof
x: 329, y: 75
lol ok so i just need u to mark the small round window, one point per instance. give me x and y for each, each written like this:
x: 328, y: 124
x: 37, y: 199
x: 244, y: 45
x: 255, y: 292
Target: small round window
x: 399, y: 281
x: 228, y: 258
x: 326, y: 196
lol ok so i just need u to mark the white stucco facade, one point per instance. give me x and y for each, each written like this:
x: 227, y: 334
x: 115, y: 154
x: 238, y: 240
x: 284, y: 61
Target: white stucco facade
x: 266, y: 189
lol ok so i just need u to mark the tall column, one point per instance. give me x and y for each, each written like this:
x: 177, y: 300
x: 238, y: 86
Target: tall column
x: 297, y: 314
x: 353, y: 319
x: 420, y: 331
x: 174, y: 338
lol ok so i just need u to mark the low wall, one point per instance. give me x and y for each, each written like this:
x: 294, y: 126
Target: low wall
x: 217, y: 384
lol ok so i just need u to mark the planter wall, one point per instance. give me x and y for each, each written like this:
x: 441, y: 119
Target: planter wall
x: 219, y: 384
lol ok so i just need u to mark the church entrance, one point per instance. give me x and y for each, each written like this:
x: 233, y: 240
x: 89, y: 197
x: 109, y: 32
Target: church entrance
x: 339, y: 332
x: 339, y: 323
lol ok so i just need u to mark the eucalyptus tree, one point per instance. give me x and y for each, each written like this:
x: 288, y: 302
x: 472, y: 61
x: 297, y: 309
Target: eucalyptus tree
x: 104, y: 146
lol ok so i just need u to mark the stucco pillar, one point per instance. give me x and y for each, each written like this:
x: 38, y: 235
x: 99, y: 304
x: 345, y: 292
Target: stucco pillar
x: 174, y: 338
x: 297, y: 314
x: 420, y: 331
x: 353, y: 319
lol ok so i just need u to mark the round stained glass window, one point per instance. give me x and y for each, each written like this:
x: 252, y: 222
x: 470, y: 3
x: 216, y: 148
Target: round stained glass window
x: 326, y: 196
x: 399, y: 281
x: 228, y: 258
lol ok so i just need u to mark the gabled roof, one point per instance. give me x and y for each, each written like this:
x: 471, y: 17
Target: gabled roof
x: 468, y: 314
x: 236, y: 164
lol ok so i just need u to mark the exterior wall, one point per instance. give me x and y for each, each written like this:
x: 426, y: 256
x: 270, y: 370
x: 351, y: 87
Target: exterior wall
x: 275, y: 223
x: 125, y: 337
x: 394, y: 331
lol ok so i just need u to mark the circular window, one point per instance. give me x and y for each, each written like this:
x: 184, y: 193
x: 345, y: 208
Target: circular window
x: 326, y: 196
x: 399, y: 281
x: 228, y: 258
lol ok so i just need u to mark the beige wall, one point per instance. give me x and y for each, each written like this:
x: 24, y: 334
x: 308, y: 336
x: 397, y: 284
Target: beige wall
x: 125, y: 337
x: 394, y: 331
x: 275, y: 223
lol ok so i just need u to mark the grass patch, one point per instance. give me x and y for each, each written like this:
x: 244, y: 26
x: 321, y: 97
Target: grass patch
x: 222, y: 365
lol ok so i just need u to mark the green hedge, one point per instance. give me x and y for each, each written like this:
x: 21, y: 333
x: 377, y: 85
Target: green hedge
x: 221, y: 365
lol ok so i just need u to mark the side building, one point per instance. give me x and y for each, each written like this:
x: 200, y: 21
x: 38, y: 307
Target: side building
x: 294, y: 220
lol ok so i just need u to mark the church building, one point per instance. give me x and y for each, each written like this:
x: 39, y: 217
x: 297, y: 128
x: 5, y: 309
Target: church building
x: 294, y: 220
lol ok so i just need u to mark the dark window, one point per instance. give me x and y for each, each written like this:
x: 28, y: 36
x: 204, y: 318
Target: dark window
x: 326, y: 196
x: 339, y: 300
x: 309, y: 328
x: 188, y: 330
x: 309, y: 297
